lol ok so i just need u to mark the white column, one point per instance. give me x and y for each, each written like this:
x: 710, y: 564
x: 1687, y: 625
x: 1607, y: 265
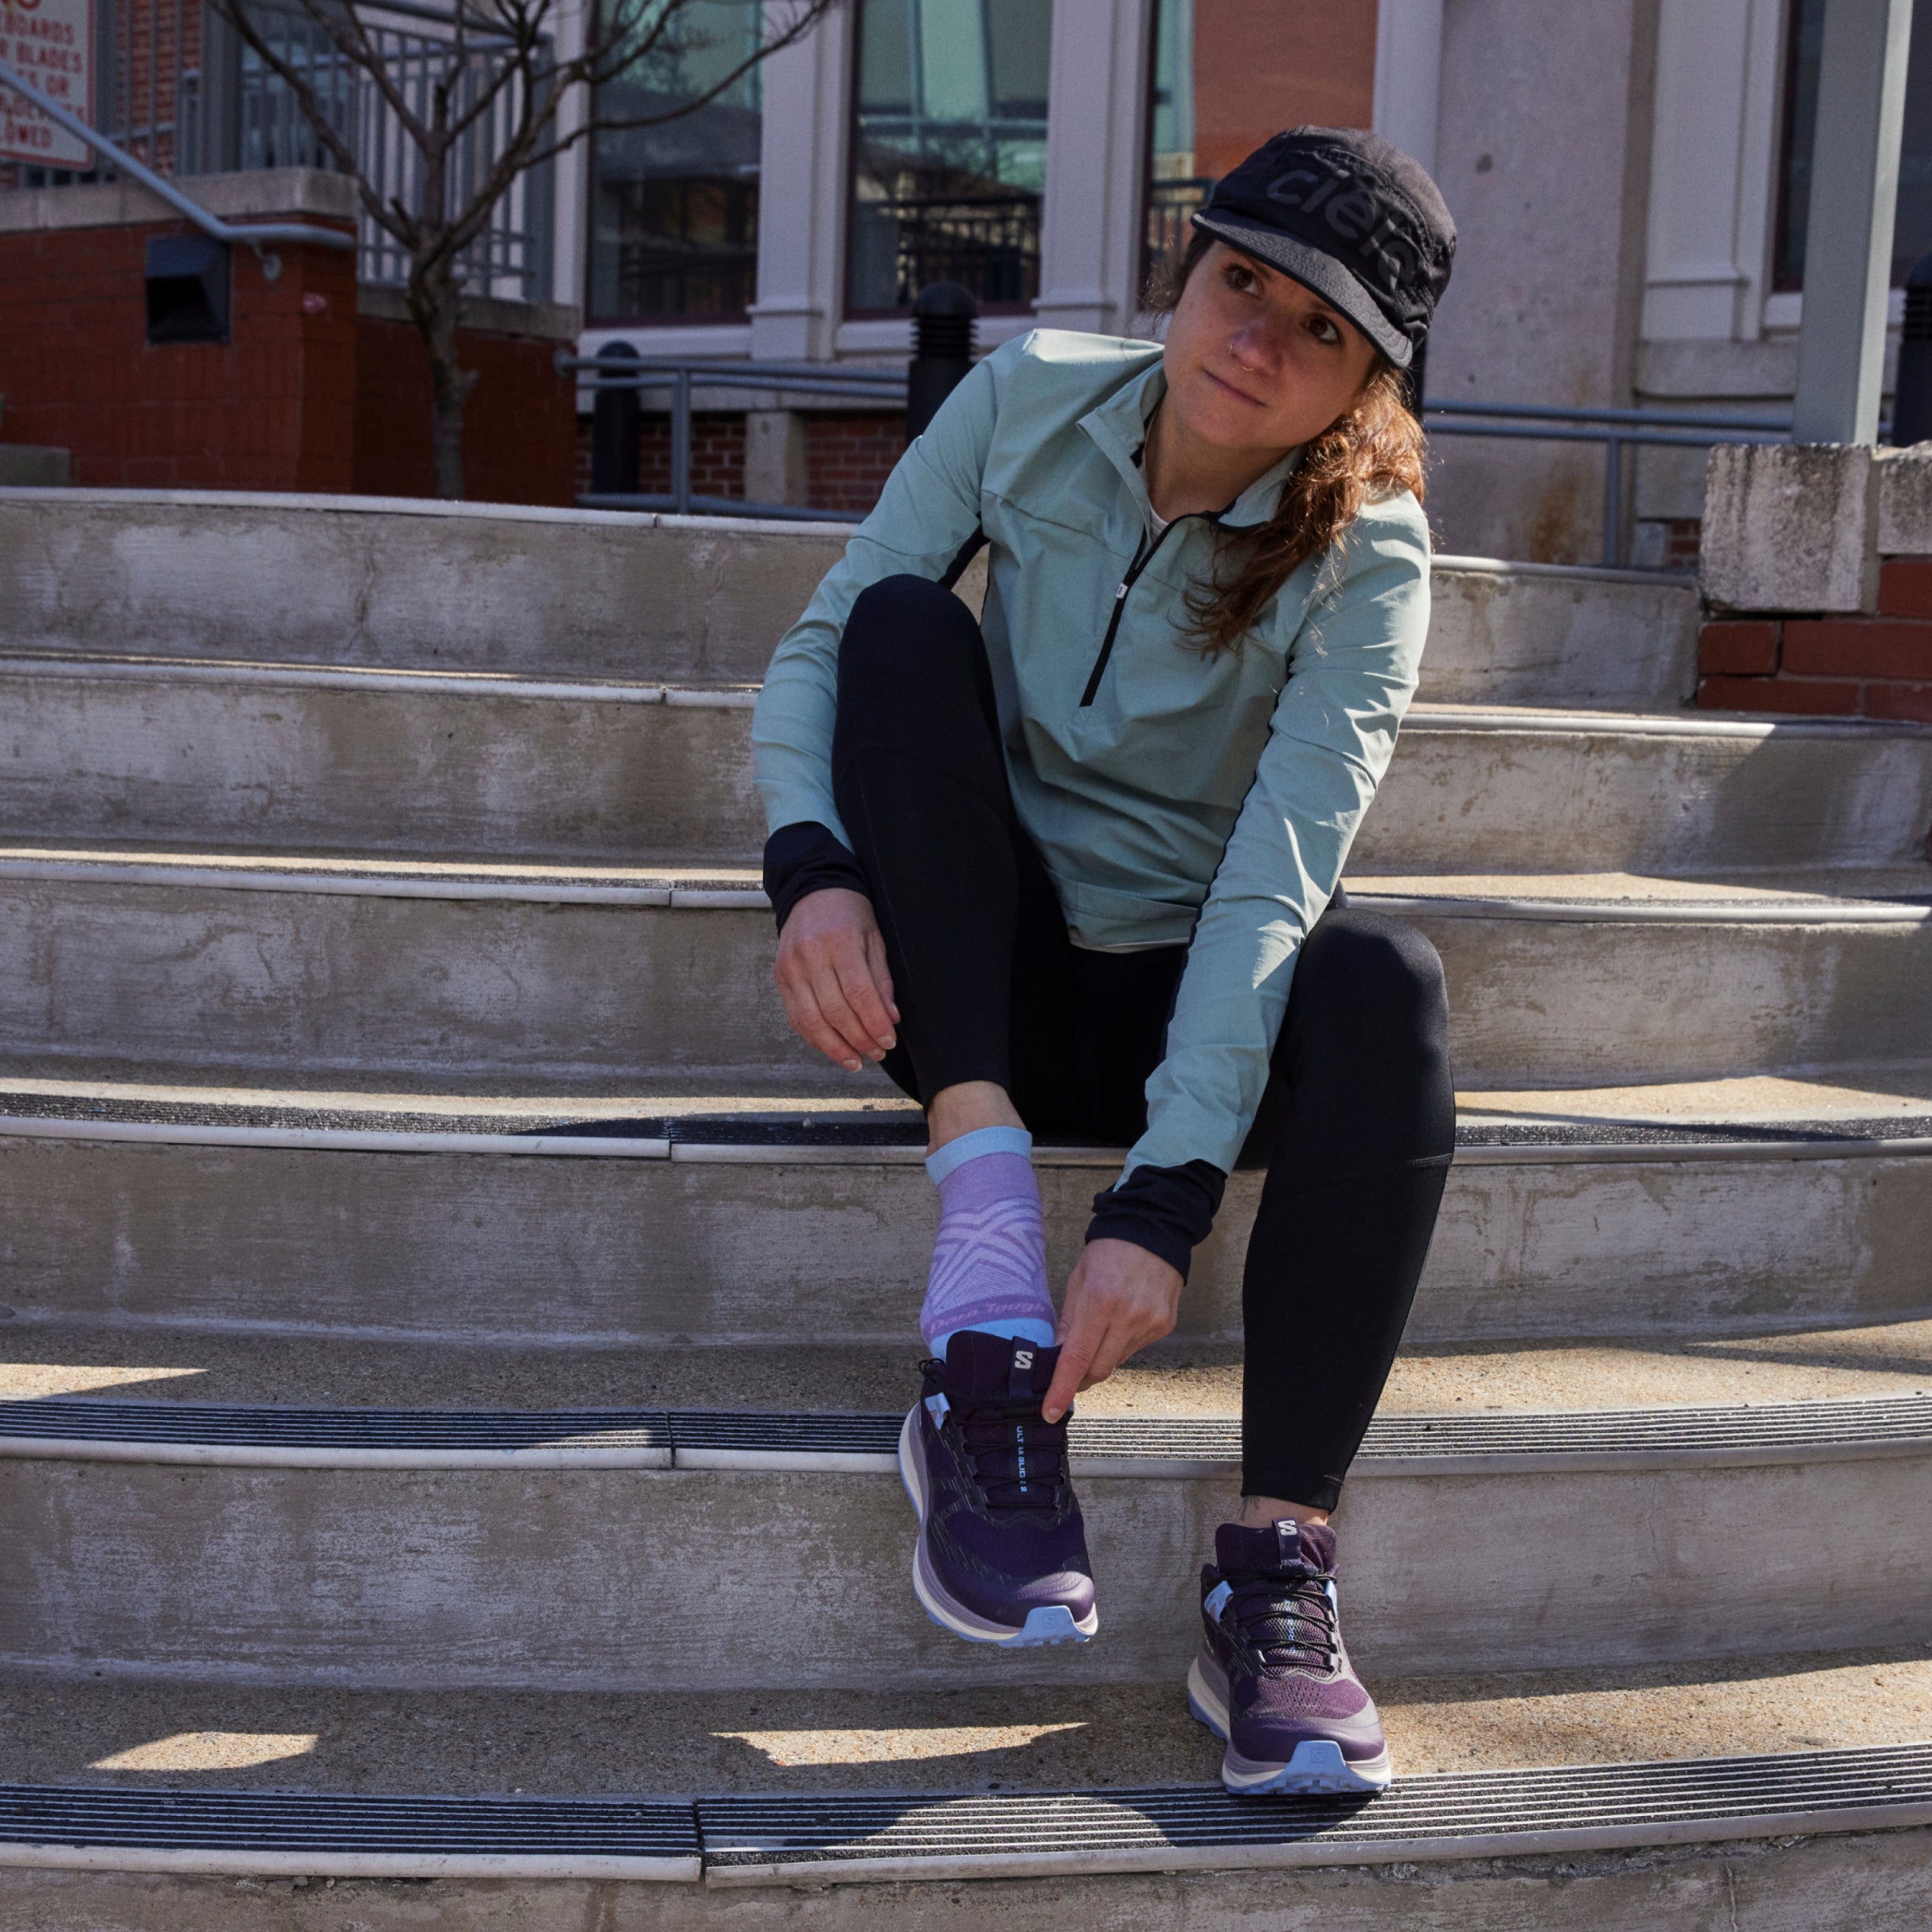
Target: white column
x: 571, y: 208
x: 1408, y: 75
x: 801, y: 187
x: 1861, y: 109
x: 1092, y: 215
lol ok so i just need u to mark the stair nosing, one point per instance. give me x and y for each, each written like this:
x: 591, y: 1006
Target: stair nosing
x: 293, y: 1435
x: 785, y: 1839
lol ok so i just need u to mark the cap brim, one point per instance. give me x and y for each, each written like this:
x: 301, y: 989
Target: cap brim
x: 1321, y: 273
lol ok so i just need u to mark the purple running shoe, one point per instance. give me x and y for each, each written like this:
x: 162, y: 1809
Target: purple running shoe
x: 1273, y: 1677
x: 1002, y: 1557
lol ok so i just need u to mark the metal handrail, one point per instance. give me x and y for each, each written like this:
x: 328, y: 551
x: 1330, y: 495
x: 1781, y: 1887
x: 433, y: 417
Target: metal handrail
x: 1661, y: 418
x: 250, y: 235
x: 1530, y: 422
x: 681, y: 374
x: 1614, y: 428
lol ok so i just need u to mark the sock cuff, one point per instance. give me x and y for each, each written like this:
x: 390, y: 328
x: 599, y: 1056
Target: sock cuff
x: 955, y: 1155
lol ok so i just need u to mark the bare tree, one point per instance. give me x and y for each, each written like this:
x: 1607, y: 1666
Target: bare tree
x: 497, y: 76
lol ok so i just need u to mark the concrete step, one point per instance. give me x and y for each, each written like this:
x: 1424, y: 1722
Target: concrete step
x: 1182, y: 1382
x: 636, y: 1548
x: 440, y: 763
x: 171, y: 1734
x: 579, y: 593
x: 307, y: 1804
x: 664, y: 1219
x: 487, y: 975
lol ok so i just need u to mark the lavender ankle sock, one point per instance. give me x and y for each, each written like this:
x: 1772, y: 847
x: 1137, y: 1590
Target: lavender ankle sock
x: 989, y: 1262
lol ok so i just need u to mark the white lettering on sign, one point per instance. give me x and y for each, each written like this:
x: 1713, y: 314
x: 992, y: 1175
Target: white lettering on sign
x: 50, y: 43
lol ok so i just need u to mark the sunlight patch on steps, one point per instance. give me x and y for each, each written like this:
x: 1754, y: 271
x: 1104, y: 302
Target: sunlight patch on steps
x: 23, y: 1381
x: 792, y: 1749
x: 211, y: 1750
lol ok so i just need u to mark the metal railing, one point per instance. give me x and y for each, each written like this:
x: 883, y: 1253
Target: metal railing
x: 1615, y: 429
x: 180, y: 95
x: 989, y: 243
x: 256, y: 235
x: 681, y: 375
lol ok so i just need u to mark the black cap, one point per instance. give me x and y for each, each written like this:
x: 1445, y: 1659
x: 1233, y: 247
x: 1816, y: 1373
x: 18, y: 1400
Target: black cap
x: 1349, y: 216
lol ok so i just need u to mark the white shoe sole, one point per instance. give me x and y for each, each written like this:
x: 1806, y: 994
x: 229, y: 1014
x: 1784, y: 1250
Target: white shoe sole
x: 1049, y: 1624
x: 1317, y: 1766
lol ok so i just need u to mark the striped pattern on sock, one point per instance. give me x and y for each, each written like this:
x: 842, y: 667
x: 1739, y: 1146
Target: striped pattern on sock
x: 989, y: 1261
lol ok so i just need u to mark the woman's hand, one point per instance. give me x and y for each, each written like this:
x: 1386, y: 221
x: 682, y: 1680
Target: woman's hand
x: 832, y: 975
x: 1119, y: 1299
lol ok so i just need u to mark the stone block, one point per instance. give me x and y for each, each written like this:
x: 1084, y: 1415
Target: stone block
x: 27, y: 466
x: 774, y: 457
x: 1791, y: 527
x: 1905, y: 501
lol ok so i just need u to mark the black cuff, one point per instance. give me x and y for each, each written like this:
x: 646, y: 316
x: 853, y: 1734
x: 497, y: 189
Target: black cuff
x: 1165, y: 1210
x: 807, y: 857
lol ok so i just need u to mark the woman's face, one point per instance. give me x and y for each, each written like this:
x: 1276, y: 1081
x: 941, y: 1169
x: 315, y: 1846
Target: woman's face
x: 1255, y: 361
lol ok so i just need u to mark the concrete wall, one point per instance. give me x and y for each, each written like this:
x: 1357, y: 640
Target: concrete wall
x: 1543, y: 157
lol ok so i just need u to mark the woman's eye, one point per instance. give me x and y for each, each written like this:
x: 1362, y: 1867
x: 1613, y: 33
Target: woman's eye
x: 1324, y: 330
x: 1239, y: 278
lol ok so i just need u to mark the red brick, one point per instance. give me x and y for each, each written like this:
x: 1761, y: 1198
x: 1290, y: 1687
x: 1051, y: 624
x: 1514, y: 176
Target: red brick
x: 1739, y: 648
x: 1905, y: 587
x: 1803, y: 697
x: 1899, y: 700
x: 1858, y: 647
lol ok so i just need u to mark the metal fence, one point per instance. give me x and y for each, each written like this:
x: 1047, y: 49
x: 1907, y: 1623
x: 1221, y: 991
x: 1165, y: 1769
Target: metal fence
x: 1615, y: 429
x: 989, y: 243
x: 179, y: 91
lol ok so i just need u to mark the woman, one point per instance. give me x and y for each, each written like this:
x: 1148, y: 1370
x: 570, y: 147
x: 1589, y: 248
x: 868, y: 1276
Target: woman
x: 1075, y: 869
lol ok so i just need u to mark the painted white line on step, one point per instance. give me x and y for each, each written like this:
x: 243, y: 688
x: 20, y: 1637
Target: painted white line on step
x: 325, y: 1863
x: 1649, y: 912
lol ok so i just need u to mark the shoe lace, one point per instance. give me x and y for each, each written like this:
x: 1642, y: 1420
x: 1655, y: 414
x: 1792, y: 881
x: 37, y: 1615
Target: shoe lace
x: 1018, y: 1460
x: 1286, y: 1618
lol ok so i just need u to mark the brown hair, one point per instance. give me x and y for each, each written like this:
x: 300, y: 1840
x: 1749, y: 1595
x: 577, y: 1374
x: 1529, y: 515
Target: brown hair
x: 1376, y: 448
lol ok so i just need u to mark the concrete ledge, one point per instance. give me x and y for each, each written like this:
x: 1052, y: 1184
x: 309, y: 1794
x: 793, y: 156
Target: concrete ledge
x: 488, y: 315
x: 1791, y: 527
x: 261, y: 192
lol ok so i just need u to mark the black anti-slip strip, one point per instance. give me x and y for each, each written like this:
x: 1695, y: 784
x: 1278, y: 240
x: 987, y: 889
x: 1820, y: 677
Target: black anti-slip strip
x: 1630, y: 1801
x: 325, y: 1822
x: 835, y: 1837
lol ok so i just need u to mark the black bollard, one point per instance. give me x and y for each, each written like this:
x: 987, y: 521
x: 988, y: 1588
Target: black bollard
x: 1912, y: 406
x: 943, y: 316
x: 617, y: 429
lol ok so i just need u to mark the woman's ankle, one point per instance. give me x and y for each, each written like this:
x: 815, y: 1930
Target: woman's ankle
x: 1258, y: 1512
x: 965, y: 1108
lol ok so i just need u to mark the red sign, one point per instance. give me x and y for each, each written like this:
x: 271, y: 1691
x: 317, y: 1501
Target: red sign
x: 50, y: 43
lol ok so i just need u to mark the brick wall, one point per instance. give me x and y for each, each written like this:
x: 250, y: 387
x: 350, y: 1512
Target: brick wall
x: 308, y: 394
x: 1876, y: 667
x: 519, y: 425
x: 259, y: 412
x: 849, y: 455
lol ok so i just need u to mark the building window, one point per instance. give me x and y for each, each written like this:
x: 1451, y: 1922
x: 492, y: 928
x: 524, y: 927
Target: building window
x: 674, y: 207
x: 1912, y: 231
x: 948, y: 151
x: 1226, y: 74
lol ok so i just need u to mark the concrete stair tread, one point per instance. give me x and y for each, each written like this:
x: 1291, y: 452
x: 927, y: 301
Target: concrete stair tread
x: 1174, y: 1380
x: 1890, y: 1104
x: 986, y: 1737
x: 1423, y: 714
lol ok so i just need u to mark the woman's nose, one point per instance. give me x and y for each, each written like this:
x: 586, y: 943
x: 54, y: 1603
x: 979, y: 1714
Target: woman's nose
x: 1254, y: 346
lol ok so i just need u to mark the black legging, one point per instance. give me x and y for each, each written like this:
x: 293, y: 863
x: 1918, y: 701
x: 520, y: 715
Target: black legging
x: 1357, y: 1125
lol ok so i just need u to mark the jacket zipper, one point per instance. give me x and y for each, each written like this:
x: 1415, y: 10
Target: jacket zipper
x: 1143, y: 555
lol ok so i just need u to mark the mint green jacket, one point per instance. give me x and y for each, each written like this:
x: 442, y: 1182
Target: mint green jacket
x: 1209, y: 801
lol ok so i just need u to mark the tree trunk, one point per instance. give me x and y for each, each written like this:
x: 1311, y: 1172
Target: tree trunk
x: 435, y: 301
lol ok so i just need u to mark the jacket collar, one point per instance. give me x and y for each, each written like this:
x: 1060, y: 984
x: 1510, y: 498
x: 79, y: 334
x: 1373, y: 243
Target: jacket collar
x: 1118, y: 427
